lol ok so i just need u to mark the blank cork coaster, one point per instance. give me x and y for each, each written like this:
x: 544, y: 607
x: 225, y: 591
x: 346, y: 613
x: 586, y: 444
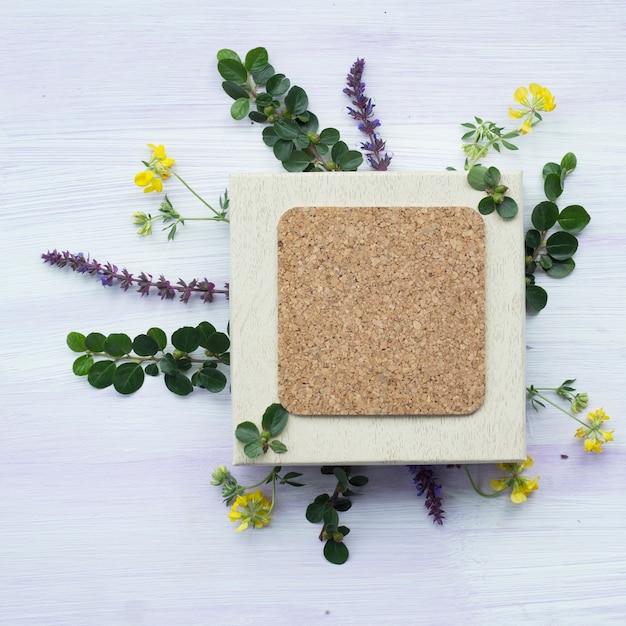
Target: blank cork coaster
x: 421, y: 426
x: 381, y: 310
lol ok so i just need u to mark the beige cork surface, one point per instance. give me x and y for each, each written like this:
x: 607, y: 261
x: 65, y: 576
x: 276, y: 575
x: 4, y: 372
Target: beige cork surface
x: 381, y: 310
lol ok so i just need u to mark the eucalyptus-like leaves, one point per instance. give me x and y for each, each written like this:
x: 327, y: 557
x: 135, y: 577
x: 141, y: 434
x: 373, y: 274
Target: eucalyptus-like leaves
x: 292, y: 130
x: 124, y: 363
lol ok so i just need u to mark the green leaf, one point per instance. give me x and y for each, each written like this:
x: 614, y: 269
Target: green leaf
x: 302, y: 142
x: 225, y: 358
x: 551, y: 168
x: 275, y: 419
x: 533, y: 238
x: 118, y: 344
x: 492, y: 177
x: 336, y: 552
x: 168, y: 365
x: 178, y: 383
x: 204, y: 330
x: 343, y: 504
x: 552, y: 186
x: 101, y: 374
x: 186, y: 339
x: 349, y: 161
x: 225, y: 53
x: 94, y: 342
x: 211, y: 379
x: 247, y: 432
x: 331, y: 517
x: 311, y: 125
x: 264, y: 74
x: 569, y: 162
x: 296, y: 100
x: 217, y: 343
x: 234, y: 90
x: 507, y: 209
x: 264, y: 100
x: 255, y: 116
x: 253, y: 449
x: 278, y: 446
x: 339, y: 149
x: 574, y: 218
x: 240, y: 108
x: 269, y: 136
x: 359, y: 481
x: 330, y: 136
x: 82, y: 365
x: 152, y: 369
x: 509, y: 146
x: 286, y: 129
x: 560, y: 269
x: 159, y: 336
x: 256, y: 59
x: 341, y: 476
x: 315, y: 510
x: 476, y: 178
x: 233, y: 70
x: 561, y: 245
x: 283, y: 149
x: 545, y: 261
x: 277, y: 85
x: 144, y: 345
x: 487, y: 205
x: 297, y: 162
x: 76, y: 342
x: 128, y: 378
x: 536, y: 297
x: 544, y: 215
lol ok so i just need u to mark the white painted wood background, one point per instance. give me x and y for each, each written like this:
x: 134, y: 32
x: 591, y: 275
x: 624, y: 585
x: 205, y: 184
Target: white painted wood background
x: 106, y: 512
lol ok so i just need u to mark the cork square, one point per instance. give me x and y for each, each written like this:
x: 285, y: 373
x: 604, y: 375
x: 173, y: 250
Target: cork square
x: 381, y: 310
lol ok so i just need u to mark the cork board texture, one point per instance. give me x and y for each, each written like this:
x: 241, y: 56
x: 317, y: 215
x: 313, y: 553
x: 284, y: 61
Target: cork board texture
x: 381, y: 310
x: 406, y: 432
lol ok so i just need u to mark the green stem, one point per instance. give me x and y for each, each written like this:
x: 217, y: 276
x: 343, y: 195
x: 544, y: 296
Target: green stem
x: 218, y: 216
x: 495, y: 494
x: 534, y: 392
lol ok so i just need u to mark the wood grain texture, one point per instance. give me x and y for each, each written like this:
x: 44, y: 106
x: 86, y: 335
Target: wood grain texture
x: 106, y: 512
x: 494, y: 432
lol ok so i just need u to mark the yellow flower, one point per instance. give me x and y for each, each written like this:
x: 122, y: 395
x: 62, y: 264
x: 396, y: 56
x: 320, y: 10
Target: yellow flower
x: 594, y: 435
x: 158, y: 169
x: 251, y: 508
x: 520, y: 485
x: 534, y: 99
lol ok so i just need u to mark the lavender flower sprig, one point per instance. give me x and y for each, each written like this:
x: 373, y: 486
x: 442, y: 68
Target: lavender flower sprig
x: 108, y: 273
x: 425, y: 481
x: 363, y: 112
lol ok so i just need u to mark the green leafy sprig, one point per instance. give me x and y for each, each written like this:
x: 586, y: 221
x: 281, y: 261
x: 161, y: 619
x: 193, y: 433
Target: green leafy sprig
x: 552, y: 252
x: 326, y: 508
x: 488, y: 179
x: 291, y: 128
x: 255, y: 442
x: 123, y: 362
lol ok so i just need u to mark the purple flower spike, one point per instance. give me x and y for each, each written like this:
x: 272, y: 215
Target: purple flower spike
x: 363, y: 112
x: 108, y: 273
x: 425, y: 482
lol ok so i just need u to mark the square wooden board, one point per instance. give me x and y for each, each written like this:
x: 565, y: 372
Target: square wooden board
x: 493, y: 432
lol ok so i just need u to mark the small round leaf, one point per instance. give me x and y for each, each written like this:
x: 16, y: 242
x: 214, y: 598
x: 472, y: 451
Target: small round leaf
x: 476, y: 178
x: 144, y: 345
x: 128, y: 378
x: 94, y: 342
x: 82, y: 365
x: 211, y: 379
x: 350, y: 161
x: 76, y: 342
x: 533, y: 238
x: 118, y: 344
x: 560, y: 269
x: 574, y: 218
x: 336, y: 552
x: 275, y: 419
x: 101, y: 374
x: 507, y: 209
x: 178, y: 383
x: 233, y: 70
x: 253, y: 449
x: 247, y: 432
x: 536, y: 297
x: 186, y: 339
x: 552, y: 186
x: 561, y: 245
x: 544, y: 215
x: 486, y: 205
x: 240, y: 108
x: 159, y: 336
x: 217, y: 343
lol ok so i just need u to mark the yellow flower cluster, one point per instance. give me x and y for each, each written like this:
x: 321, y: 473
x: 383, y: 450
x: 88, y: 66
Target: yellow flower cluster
x: 594, y: 435
x: 158, y: 169
x: 520, y: 485
x: 535, y: 98
x: 251, y: 508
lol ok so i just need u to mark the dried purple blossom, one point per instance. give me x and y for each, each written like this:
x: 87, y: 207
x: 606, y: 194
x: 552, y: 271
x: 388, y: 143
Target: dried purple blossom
x: 108, y: 273
x: 426, y: 483
x: 363, y: 112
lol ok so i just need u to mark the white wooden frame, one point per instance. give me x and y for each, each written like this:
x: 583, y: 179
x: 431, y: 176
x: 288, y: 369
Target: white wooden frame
x: 495, y: 432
